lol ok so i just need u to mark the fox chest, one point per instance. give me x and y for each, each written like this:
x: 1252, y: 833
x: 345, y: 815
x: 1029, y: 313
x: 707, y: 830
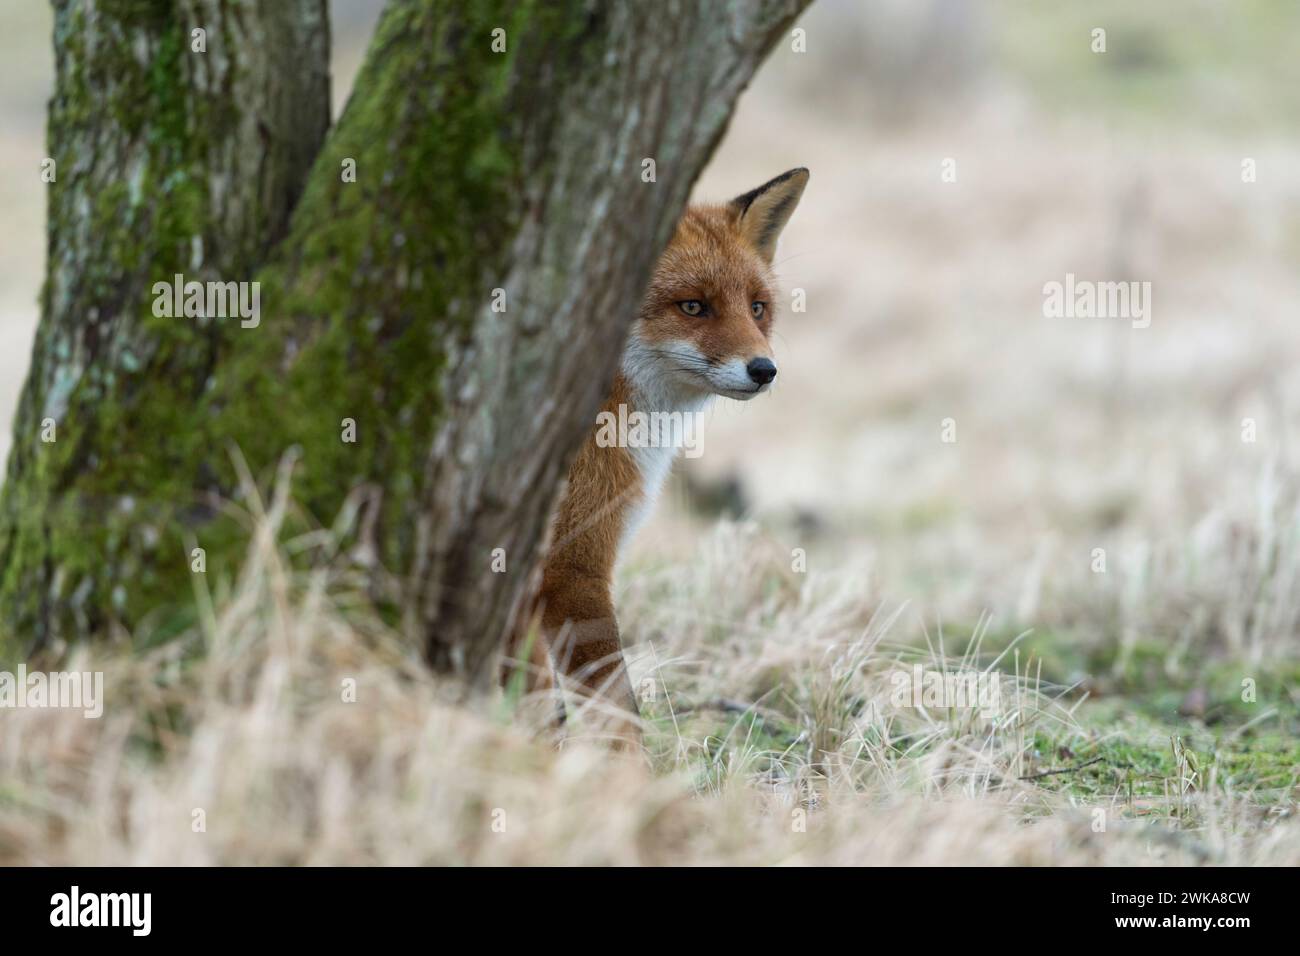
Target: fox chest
x: 652, y: 467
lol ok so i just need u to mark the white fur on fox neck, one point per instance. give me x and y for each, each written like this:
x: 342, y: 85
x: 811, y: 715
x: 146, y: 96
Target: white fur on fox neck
x: 656, y: 387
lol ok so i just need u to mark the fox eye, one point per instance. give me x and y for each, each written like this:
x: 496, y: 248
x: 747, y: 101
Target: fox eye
x: 758, y: 308
x: 692, y: 307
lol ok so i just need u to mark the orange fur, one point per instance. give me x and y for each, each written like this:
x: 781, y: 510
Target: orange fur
x: 719, y: 258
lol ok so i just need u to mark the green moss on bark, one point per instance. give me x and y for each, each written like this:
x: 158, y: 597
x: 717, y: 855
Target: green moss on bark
x: 375, y: 282
x: 138, y: 138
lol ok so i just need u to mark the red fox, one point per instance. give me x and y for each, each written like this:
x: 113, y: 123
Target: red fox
x: 703, y: 329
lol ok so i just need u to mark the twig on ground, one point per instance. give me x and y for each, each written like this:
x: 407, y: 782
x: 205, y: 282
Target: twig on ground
x: 1051, y: 773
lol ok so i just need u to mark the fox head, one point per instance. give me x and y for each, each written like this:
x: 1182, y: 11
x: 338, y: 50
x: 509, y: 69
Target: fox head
x: 704, y: 327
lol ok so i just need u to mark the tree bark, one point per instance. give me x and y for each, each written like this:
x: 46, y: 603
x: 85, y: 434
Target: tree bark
x: 167, y: 160
x: 476, y: 170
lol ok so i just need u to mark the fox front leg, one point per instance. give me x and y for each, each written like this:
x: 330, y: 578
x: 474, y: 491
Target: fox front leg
x: 588, y: 657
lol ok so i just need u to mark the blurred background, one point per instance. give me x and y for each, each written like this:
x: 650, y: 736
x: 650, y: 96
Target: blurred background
x: 924, y: 303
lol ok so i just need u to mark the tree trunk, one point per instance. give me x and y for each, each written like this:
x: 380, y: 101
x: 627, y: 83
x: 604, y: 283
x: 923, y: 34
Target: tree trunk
x: 461, y: 303
x: 167, y: 160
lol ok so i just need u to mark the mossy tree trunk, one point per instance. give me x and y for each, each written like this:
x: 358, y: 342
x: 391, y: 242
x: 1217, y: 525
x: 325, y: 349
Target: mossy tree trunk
x: 457, y: 310
x: 166, y: 160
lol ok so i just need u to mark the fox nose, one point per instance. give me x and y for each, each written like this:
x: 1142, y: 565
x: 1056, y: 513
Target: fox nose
x: 761, y: 370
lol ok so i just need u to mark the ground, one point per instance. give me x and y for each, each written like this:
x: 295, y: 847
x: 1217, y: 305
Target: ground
x: 294, y: 728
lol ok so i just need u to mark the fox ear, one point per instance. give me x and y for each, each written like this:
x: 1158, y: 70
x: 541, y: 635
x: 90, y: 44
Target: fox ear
x: 763, y: 212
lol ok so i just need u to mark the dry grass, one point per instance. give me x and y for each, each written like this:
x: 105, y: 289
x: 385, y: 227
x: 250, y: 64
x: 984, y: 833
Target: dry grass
x: 244, y: 719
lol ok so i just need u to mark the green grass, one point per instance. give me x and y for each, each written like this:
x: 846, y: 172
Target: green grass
x: 1136, y: 766
x: 1125, y: 744
x: 1146, y: 769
